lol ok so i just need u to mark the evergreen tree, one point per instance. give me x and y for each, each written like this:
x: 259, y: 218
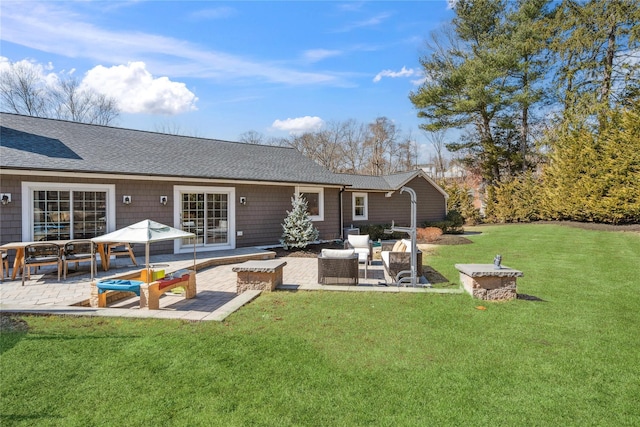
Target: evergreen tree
x: 484, y: 77
x: 594, y: 176
x: 298, y: 230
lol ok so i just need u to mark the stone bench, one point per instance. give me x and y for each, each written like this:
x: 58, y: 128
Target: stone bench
x: 259, y: 275
x: 486, y: 282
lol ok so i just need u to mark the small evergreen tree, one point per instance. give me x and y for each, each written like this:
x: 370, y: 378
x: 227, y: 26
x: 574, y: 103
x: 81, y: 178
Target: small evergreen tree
x: 298, y: 228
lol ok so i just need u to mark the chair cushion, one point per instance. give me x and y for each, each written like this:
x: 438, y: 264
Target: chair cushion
x: 359, y: 240
x: 385, y: 257
x: 41, y: 259
x: 337, y: 253
x: 407, y: 244
x: 77, y: 256
x: 399, y: 246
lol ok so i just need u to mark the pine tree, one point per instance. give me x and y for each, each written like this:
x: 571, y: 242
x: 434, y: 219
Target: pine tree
x: 298, y: 228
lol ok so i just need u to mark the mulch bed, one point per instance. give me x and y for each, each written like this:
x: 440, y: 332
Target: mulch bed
x: 313, y: 250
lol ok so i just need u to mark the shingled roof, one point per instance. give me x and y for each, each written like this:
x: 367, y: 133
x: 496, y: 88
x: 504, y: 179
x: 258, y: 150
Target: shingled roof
x: 33, y: 143
x: 382, y: 183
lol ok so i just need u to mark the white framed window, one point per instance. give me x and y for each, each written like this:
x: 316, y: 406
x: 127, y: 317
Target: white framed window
x: 360, y: 206
x: 207, y: 212
x: 315, y: 201
x: 63, y: 211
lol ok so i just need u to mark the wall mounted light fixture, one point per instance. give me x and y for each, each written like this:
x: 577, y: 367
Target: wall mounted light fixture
x: 163, y: 200
x: 126, y: 200
x: 243, y: 200
x: 5, y: 198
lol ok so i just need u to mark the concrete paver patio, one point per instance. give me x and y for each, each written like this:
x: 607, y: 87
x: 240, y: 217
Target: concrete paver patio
x: 216, y: 296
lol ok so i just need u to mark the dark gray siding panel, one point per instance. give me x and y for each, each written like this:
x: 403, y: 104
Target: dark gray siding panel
x: 260, y: 220
x: 383, y: 210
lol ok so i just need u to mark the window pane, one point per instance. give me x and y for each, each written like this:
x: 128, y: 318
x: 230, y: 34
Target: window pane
x: 89, y: 214
x: 193, y: 216
x: 313, y: 203
x: 51, y: 210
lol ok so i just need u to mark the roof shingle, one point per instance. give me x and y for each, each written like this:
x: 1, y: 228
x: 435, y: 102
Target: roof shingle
x: 46, y: 144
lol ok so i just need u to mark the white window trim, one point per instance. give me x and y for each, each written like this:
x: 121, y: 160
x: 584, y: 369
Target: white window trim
x: 177, y: 210
x: 320, y: 192
x: 27, y: 201
x: 353, y: 207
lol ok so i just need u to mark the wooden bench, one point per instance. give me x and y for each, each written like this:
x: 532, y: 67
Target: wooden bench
x: 259, y: 275
x: 150, y: 293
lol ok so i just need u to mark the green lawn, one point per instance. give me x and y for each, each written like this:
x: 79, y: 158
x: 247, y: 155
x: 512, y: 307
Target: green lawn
x: 569, y: 354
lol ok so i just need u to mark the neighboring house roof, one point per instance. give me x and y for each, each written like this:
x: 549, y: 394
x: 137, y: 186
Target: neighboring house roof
x: 32, y: 143
x: 387, y: 182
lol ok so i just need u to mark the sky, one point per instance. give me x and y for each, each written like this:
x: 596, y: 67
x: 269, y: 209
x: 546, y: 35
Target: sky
x: 218, y: 69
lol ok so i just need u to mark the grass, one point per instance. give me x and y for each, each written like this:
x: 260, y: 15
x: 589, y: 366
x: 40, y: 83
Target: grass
x: 566, y: 355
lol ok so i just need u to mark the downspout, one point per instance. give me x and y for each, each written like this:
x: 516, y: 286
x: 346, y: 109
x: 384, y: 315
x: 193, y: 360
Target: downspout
x: 341, y: 211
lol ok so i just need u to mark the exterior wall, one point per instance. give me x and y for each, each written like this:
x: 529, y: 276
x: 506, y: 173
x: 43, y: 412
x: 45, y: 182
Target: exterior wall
x: 383, y: 210
x: 260, y: 219
x: 11, y: 213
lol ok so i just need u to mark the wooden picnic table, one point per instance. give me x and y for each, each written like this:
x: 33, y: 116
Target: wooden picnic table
x: 19, y: 248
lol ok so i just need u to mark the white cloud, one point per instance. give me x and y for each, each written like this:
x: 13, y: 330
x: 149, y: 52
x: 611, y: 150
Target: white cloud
x: 404, y: 72
x: 315, y: 55
x: 54, y: 28
x: 38, y: 70
x: 213, y: 13
x: 133, y: 87
x: 374, y: 21
x: 299, y: 125
x: 137, y: 91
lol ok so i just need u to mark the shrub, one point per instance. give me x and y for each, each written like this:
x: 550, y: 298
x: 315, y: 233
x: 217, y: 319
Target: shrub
x: 428, y: 234
x: 461, y: 200
x: 452, y: 223
x: 376, y: 231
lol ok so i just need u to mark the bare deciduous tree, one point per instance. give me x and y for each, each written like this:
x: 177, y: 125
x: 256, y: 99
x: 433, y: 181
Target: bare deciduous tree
x: 72, y: 102
x: 436, y: 138
x: 24, y: 90
x: 251, y: 137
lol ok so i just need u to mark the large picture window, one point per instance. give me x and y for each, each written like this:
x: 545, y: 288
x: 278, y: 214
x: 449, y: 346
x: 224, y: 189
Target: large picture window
x: 63, y: 212
x: 360, y: 207
x: 315, y: 201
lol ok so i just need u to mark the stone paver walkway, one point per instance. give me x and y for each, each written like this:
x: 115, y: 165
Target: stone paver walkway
x: 216, y: 296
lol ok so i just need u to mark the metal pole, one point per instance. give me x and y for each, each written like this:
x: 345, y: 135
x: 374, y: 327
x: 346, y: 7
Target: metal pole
x: 413, y: 234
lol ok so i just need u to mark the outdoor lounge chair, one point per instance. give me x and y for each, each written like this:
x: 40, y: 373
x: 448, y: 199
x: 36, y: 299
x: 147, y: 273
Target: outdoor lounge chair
x: 338, y: 267
x: 78, y: 251
x: 396, y: 257
x: 39, y: 254
x: 361, y: 244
